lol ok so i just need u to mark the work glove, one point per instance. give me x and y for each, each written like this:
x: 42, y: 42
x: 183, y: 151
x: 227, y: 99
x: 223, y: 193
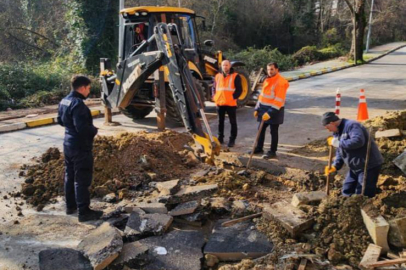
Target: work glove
x: 328, y: 171
x: 255, y: 113
x: 266, y: 117
x: 333, y: 141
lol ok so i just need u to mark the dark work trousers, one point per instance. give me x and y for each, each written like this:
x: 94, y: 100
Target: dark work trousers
x: 274, y: 137
x: 232, y: 115
x: 353, y: 182
x: 78, y: 177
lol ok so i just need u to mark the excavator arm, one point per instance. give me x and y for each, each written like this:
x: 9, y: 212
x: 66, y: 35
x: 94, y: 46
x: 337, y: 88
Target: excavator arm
x: 119, y: 89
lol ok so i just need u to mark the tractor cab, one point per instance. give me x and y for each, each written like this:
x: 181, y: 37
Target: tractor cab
x: 139, y: 23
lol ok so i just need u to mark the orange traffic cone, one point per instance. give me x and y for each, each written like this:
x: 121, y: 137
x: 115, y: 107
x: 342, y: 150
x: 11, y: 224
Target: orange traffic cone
x: 362, y: 107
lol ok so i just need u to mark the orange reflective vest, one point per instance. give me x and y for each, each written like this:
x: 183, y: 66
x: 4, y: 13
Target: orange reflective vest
x: 273, y: 92
x: 225, y: 89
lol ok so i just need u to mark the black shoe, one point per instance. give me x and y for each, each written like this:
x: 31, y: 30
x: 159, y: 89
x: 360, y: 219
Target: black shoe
x: 269, y: 155
x: 256, y: 151
x: 221, y: 140
x: 89, y: 214
x: 231, y: 143
x: 71, y: 211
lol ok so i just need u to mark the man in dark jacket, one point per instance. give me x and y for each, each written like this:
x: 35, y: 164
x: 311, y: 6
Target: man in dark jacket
x: 75, y: 116
x: 351, y: 140
x: 270, y: 108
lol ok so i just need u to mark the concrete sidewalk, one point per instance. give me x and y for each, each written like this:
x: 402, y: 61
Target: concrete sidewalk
x: 337, y: 64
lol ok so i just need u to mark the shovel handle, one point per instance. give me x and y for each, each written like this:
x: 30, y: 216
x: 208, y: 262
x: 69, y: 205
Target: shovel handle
x: 255, y: 143
x: 330, y: 160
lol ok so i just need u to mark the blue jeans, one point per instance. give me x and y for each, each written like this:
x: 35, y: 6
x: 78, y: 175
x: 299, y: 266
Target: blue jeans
x: 353, y: 182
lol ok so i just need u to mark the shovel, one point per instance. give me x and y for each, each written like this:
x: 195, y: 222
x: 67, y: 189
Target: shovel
x: 255, y: 143
x: 330, y: 160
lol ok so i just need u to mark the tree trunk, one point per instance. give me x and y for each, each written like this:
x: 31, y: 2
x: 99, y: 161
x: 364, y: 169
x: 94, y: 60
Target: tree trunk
x: 359, y: 23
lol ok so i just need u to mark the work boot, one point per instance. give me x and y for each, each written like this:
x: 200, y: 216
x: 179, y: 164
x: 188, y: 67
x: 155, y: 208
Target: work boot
x: 88, y: 214
x: 269, y: 155
x: 256, y: 151
x: 231, y: 143
x: 71, y: 211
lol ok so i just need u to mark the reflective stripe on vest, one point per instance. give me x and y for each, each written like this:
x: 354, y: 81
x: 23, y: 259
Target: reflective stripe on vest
x: 270, y: 99
x: 225, y: 89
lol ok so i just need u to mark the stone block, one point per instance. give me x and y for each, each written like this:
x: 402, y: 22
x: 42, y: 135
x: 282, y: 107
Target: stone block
x: 192, y: 193
x: 371, y: 255
x: 388, y: 133
x: 240, y: 207
x: 168, y: 187
x: 133, y: 255
x: 397, y: 232
x: 184, y: 208
x: 241, y: 241
x: 63, y: 259
x: 147, y: 224
x: 377, y: 227
x: 102, y: 246
x: 264, y: 165
x: 220, y: 205
x: 177, y: 250
x: 306, y: 198
x: 400, y: 162
x: 292, y: 219
x: 153, y: 208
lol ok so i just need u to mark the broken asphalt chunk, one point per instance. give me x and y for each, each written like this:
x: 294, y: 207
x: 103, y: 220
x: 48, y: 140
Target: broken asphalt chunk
x: 133, y: 255
x: 184, y: 208
x: 177, y: 250
x: 192, y: 193
x: 147, y: 224
x: 241, y: 241
x: 168, y: 187
x: 63, y: 259
x: 102, y: 246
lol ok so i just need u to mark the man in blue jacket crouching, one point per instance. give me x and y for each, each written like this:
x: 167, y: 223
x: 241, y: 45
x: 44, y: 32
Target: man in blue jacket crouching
x: 351, y: 140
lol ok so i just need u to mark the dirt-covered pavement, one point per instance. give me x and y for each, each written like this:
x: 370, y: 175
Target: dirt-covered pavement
x: 307, y: 100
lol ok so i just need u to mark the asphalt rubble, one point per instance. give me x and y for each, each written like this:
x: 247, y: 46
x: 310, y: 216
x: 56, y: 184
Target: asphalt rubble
x: 164, y: 208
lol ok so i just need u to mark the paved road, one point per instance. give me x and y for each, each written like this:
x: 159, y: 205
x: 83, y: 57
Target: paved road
x: 383, y: 80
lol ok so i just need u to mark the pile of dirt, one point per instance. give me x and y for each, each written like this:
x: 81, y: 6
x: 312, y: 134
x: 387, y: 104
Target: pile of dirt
x: 121, y: 164
x: 341, y: 235
x: 390, y: 120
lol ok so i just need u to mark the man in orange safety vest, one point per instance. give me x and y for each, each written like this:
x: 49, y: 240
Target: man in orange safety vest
x: 270, y: 108
x: 227, y: 87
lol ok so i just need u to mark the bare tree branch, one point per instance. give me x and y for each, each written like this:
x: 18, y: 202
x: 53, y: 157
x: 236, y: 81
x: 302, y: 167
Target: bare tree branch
x: 28, y: 44
x: 33, y: 32
x: 350, y: 6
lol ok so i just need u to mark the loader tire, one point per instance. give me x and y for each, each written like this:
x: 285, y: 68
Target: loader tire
x: 172, y: 111
x: 246, y: 88
x: 136, y: 112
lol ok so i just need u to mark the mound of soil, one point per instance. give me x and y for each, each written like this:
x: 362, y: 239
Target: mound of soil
x: 121, y: 164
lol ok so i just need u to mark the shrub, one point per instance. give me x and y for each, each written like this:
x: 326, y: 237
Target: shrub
x: 331, y: 52
x: 306, y: 54
x: 256, y: 58
x: 37, y: 84
x: 330, y: 37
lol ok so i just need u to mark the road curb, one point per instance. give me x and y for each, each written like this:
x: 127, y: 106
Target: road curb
x: 42, y: 122
x: 334, y: 69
